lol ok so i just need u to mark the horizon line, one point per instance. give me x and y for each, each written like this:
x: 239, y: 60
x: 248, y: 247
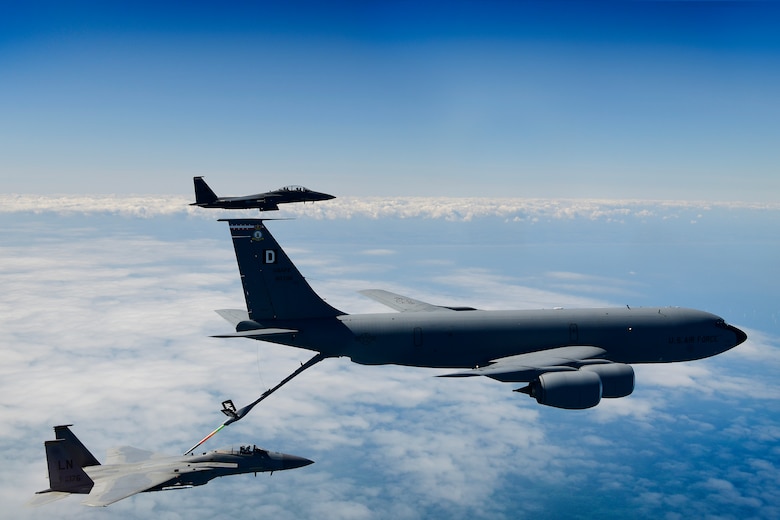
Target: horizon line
x: 437, y: 207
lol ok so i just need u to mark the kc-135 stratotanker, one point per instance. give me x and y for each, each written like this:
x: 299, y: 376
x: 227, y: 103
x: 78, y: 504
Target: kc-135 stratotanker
x: 568, y: 358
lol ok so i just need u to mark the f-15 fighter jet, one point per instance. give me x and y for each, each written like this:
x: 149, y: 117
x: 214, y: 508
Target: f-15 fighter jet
x: 268, y: 201
x: 127, y: 471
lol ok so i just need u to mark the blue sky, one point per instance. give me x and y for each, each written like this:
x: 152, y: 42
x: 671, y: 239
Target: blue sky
x: 457, y: 137
x: 652, y: 100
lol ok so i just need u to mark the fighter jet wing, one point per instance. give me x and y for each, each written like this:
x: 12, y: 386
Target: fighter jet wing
x: 402, y: 303
x: 130, y: 471
x: 45, y: 497
x: 527, y: 367
x: 113, y: 488
x: 130, y: 455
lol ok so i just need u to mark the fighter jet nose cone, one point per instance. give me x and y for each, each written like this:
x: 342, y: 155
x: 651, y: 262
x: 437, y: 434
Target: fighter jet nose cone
x: 740, y: 335
x: 293, y: 461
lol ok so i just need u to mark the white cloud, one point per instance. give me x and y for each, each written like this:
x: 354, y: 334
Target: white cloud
x: 446, y: 208
x: 108, y: 328
x: 493, y: 291
x: 378, y: 252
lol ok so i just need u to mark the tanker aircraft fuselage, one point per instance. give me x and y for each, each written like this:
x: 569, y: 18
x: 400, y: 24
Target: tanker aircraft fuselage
x: 570, y: 358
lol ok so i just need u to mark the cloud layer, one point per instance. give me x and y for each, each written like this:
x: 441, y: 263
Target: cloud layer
x: 448, y: 208
x: 106, y: 322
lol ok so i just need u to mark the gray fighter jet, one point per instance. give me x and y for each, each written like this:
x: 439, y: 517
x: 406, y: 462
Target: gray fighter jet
x: 73, y: 469
x: 568, y: 358
x: 268, y: 201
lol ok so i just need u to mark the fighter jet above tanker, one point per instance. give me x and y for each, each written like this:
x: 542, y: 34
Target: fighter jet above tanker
x: 74, y: 470
x: 568, y: 358
x: 268, y: 201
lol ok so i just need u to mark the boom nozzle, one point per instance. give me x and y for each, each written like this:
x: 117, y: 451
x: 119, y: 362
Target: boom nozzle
x: 229, y: 409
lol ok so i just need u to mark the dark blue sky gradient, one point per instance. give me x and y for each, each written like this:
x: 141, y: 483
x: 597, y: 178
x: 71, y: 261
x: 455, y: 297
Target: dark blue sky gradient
x: 610, y: 99
x: 714, y: 25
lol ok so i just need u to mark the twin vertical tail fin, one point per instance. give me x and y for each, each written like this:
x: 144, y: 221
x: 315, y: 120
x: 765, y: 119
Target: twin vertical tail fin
x: 274, y: 289
x: 64, y: 473
x: 66, y: 457
x: 203, y: 194
x: 83, y: 456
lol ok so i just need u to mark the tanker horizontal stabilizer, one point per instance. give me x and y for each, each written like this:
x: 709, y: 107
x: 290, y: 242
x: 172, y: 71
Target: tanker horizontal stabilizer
x: 255, y: 333
x: 233, y: 316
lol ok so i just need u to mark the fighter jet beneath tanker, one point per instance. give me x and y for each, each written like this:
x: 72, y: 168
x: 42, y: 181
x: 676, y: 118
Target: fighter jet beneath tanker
x: 567, y: 358
x: 128, y: 471
x: 268, y: 201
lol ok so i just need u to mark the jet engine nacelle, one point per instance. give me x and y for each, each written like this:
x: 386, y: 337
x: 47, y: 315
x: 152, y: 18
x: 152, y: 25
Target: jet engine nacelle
x: 573, y: 390
x: 583, y: 388
x: 617, y: 379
